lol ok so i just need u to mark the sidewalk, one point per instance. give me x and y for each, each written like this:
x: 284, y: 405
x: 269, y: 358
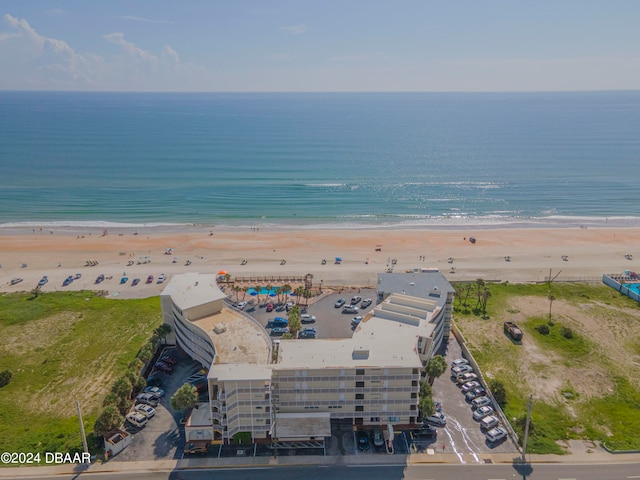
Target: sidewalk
x: 586, y: 456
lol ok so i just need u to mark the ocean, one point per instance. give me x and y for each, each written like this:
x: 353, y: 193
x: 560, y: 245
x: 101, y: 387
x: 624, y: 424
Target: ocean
x: 318, y: 160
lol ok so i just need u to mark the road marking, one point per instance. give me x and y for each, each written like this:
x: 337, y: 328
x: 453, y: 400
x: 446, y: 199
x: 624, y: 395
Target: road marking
x: 567, y: 479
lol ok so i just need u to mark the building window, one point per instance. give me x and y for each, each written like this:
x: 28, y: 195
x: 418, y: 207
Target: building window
x: 359, y: 384
x: 359, y: 408
x: 375, y: 419
x: 359, y: 396
x: 360, y: 371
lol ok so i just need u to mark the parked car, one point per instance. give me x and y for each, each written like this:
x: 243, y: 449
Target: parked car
x: 480, y: 402
x: 269, y: 307
x: 278, y: 322
x: 43, y: 281
x: 15, y: 281
x: 150, y: 279
x: 306, y: 318
x: 459, y: 361
x: 339, y: 303
x: 123, y: 280
x: 461, y: 370
x: 155, y: 391
x: 135, y: 282
x: 168, y: 359
x: 147, y: 399
x: 356, y: 300
x: 147, y: 410
x: 496, y: 434
x: 241, y: 305
x: 100, y: 278
x: 279, y: 331
x: 307, y: 333
x: 363, y: 441
x: 482, y: 412
x: 163, y: 367
x: 365, y: 303
x: 355, y: 321
x: 350, y: 309
x: 437, y: 419
x: 378, y: 439
x: 467, y: 387
x: 289, y: 306
x: 427, y: 431
x: 137, y: 419
x: 488, y: 422
x: 67, y: 281
x: 161, y: 278
x: 476, y: 392
x: 466, y: 377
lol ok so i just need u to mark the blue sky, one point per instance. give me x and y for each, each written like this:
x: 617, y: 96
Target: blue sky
x: 321, y: 45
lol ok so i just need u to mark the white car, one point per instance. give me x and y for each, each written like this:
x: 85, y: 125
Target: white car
x: 459, y: 361
x: 147, y: 399
x: 488, y: 422
x: 467, y: 387
x: 355, y: 321
x: 146, y: 410
x: 480, y: 402
x: 461, y: 369
x: 137, y: 419
x: 158, y: 392
x: 466, y: 377
x: 496, y: 434
x: 241, y: 305
x: 482, y: 412
x: 161, y: 278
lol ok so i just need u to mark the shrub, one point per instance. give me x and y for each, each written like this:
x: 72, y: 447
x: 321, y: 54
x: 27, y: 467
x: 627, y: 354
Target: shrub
x: 566, y: 332
x: 543, y: 329
x: 498, y: 391
x: 5, y: 377
x: 108, y: 420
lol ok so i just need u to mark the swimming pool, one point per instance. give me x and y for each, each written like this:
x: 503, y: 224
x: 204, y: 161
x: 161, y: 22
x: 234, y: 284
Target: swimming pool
x: 264, y: 291
x: 634, y: 287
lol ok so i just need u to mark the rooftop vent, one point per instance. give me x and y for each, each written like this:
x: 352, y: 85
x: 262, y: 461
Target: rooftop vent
x: 360, y: 353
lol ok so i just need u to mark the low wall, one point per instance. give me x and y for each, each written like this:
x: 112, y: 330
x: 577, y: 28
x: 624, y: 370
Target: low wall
x: 467, y: 354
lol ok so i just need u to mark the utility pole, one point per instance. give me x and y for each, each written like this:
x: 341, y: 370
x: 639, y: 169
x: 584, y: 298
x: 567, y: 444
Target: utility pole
x: 526, y: 429
x: 84, y: 437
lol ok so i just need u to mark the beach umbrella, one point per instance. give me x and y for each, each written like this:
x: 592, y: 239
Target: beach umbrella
x: 222, y: 272
x: 272, y: 294
x: 338, y: 259
x: 253, y: 293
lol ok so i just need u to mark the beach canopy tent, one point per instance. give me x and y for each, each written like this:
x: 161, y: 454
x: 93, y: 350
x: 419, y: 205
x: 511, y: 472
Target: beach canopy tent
x: 222, y: 272
x: 338, y: 259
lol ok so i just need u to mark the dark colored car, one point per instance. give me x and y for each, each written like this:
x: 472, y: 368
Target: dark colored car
x: 135, y: 282
x: 67, y: 281
x: 269, y: 307
x: 427, y: 431
x: 150, y: 279
x: 163, y: 367
x: 307, y: 333
x: 363, y: 441
x: 168, y: 359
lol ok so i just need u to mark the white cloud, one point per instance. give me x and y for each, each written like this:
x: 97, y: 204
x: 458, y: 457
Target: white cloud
x: 295, y: 29
x: 33, y: 61
x: 133, y: 18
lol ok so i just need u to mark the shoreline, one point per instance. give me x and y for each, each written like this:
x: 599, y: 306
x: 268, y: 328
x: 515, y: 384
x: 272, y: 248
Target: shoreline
x: 576, y: 253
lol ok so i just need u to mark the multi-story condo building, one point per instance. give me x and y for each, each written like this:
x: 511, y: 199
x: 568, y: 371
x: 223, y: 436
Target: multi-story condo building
x: 371, y: 378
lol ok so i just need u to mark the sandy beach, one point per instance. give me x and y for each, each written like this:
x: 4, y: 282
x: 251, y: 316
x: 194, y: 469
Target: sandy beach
x: 573, y: 253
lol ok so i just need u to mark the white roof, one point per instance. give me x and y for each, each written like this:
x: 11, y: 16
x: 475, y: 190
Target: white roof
x: 239, y: 371
x: 192, y: 289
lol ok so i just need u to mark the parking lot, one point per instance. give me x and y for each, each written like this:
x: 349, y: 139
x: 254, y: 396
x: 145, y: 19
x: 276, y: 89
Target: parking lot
x: 330, y: 321
x: 462, y: 435
x: 161, y: 437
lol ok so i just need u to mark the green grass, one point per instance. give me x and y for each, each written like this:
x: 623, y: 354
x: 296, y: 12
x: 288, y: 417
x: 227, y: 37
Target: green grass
x: 613, y: 418
x: 63, y: 347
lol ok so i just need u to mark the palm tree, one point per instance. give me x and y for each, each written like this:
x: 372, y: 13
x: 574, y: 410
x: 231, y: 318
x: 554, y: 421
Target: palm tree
x: 286, y: 288
x: 436, y: 367
x: 227, y: 278
x: 307, y: 295
x: 257, y: 288
x: 551, y: 299
x: 185, y: 398
x: 278, y: 293
x: 299, y: 293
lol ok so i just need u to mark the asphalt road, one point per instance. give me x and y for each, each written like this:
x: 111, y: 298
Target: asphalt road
x: 387, y: 472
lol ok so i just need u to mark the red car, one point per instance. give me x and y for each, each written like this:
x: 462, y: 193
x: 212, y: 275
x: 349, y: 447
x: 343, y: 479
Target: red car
x: 269, y: 307
x: 150, y: 279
